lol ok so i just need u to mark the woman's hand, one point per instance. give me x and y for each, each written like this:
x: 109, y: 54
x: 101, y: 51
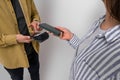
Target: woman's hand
x: 66, y: 34
x: 23, y: 39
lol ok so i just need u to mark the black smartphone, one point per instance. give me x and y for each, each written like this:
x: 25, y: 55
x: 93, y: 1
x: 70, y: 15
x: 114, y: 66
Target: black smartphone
x: 40, y: 37
x: 50, y: 29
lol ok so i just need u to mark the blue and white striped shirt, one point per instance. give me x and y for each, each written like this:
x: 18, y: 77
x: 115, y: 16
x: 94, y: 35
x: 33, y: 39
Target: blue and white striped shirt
x: 100, y: 60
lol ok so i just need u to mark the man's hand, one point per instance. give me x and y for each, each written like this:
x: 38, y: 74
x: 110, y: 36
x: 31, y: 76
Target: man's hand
x: 23, y: 39
x: 35, y: 26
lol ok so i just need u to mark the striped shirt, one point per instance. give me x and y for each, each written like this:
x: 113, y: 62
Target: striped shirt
x: 100, y: 59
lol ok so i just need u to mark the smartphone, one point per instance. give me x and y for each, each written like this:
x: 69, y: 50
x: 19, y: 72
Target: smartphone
x: 40, y: 37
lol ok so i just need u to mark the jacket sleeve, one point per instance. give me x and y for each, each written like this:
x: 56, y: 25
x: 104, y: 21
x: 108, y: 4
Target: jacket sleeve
x: 7, y: 40
x: 34, y: 13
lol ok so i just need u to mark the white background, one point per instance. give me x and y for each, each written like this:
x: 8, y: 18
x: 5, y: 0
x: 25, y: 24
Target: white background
x: 56, y: 55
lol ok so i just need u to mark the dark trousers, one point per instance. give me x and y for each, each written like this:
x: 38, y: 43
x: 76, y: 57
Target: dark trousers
x: 17, y: 74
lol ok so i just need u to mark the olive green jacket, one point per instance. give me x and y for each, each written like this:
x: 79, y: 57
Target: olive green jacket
x: 12, y: 54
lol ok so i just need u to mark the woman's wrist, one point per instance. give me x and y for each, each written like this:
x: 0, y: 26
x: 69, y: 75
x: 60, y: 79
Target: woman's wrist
x: 71, y: 35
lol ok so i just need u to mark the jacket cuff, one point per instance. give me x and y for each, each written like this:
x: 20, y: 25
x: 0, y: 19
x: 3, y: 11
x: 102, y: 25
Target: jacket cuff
x: 10, y: 40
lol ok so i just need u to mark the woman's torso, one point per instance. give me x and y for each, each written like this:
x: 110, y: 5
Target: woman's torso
x: 99, y: 60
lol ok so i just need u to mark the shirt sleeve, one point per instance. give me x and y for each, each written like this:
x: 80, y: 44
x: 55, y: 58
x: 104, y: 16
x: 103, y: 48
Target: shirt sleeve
x: 74, y: 42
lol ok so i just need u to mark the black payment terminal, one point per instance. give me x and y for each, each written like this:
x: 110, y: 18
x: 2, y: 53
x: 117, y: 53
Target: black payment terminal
x: 50, y: 29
